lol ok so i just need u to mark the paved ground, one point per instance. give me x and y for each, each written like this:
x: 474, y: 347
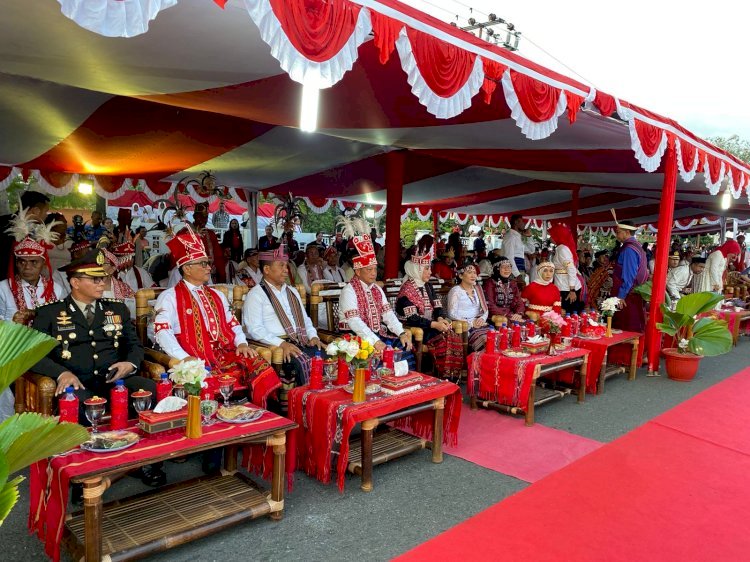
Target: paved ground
x: 413, y: 499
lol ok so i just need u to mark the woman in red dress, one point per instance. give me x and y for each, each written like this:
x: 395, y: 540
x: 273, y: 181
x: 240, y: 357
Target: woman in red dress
x: 541, y: 295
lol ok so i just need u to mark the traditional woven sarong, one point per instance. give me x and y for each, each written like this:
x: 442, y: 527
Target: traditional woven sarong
x: 447, y: 349
x: 478, y: 337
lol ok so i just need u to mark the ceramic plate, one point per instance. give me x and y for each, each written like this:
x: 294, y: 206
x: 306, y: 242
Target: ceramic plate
x: 110, y: 441
x: 230, y: 415
x: 371, y: 388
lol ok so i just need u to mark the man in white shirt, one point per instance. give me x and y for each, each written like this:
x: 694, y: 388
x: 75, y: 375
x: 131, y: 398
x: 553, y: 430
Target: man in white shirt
x: 312, y: 270
x: 364, y: 308
x: 195, y: 321
x: 26, y: 288
x: 513, y: 246
x: 332, y: 271
x: 679, y: 275
x: 273, y: 314
x: 132, y: 275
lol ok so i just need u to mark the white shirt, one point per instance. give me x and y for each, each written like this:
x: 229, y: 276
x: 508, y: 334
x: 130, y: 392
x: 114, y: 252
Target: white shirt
x: 304, y: 277
x: 8, y: 304
x: 256, y: 274
x: 260, y: 321
x: 128, y: 277
x: 462, y: 307
x: 335, y: 274
x: 677, y: 279
x: 513, y: 247
x: 713, y: 275
x: 166, y: 312
x: 348, y: 303
x: 563, y: 260
x: 174, y: 277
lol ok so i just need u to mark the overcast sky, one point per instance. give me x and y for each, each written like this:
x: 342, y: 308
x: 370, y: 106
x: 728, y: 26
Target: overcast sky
x: 683, y: 60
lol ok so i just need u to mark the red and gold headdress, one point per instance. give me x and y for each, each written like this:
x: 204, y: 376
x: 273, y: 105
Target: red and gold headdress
x: 186, y: 246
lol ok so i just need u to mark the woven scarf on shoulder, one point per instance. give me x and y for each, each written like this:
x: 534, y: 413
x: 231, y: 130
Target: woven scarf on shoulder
x: 298, y: 334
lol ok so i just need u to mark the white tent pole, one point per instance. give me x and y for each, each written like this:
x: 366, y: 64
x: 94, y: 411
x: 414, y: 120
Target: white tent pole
x: 723, y: 233
x: 252, y: 221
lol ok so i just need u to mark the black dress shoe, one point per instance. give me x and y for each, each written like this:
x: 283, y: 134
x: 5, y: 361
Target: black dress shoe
x: 151, y: 475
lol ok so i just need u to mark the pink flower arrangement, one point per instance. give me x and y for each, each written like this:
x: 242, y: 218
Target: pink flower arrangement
x: 553, y: 321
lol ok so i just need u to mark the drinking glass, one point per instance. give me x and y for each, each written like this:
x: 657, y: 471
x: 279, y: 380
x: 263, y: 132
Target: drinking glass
x: 141, y: 400
x: 330, y: 369
x: 94, y: 413
x: 208, y: 409
x: 180, y: 392
x: 226, y: 387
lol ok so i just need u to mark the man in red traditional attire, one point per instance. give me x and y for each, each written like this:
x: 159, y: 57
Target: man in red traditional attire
x: 195, y: 321
x: 26, y: 287
x: 210, y: 242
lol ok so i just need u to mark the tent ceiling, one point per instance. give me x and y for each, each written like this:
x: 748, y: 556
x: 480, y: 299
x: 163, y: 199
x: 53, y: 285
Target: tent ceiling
x: 200, y: 90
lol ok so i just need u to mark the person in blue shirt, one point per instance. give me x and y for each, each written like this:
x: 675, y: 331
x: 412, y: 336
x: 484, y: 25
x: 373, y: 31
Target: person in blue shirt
x: 96, y: 229
x: 631, y: 270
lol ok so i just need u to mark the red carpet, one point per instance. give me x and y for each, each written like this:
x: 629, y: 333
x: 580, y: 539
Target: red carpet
x: 658, y: 493
x: 504, y: 444
x: 720, y: 414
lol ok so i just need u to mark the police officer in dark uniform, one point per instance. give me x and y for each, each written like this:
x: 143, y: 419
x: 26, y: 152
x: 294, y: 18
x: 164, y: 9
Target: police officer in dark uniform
x: 97, y: 341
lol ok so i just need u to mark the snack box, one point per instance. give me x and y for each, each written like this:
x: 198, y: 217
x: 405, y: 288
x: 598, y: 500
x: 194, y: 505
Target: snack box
x: 392, y: 382
x: 535, y: 348
x: 152, y: 422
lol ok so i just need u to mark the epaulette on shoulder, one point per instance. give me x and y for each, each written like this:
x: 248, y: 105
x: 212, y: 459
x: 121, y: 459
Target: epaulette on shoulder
x: 40, y: 306
x: 112, y: 300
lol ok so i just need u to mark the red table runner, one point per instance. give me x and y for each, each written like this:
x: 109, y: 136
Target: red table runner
x: 326, y: 419
x: 507, y: 380
x: 49, y: 479
x: 618, y: 354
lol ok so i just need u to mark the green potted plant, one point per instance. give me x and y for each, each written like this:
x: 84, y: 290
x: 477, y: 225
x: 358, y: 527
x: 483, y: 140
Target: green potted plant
x: 695, y: 336
x: 29, y: 437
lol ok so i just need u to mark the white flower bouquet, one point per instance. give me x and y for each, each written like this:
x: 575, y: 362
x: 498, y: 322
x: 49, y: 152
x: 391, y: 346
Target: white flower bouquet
x: 609, y: 306
x: 191, y: 374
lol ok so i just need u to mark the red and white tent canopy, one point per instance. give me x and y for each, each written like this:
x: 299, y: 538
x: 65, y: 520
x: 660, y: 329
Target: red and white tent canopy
x: 213, y: 84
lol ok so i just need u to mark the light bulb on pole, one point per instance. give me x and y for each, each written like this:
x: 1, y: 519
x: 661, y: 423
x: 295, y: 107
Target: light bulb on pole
x: 308, y: 121
x: 369, y: 213
x: 726, y: 200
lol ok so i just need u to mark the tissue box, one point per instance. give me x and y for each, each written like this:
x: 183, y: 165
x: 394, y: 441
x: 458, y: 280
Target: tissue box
x: 535, y: 348
x: 151, y: 422
x: 396, y: 383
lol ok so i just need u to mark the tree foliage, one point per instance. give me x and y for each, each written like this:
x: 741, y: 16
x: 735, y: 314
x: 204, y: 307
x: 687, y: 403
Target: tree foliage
x: 734, y: 145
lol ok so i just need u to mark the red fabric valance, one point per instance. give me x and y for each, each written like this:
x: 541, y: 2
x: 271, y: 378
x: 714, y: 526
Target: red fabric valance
x: 56, y: 179
x: 493, y: 72
x: 538, y: 100
x: 605, y: 103
x: 688, y: 155
x: 386, y: 32
x: 318, y: 29
x: 649, y: 136
x: 445, y: 68
x: 574, y: 104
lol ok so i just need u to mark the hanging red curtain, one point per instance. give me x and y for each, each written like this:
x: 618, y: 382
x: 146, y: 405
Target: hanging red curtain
x: 317, y: 28
x: 385, y: 31
x: 110, y: 184
x: 493, y: 72
x: 574, y: 104
x: 538, y: 100
x: 605, y: 103
x: 649, y: 136
x: 444, y: 67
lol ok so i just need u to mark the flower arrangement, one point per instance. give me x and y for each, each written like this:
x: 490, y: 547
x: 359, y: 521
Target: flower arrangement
x: 353, y: 350
x: 191, y: 374
x: 553, y: 321
x: 609, y: 306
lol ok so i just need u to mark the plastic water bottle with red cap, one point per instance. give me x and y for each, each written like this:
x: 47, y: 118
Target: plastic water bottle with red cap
x: 316, y: 372
x: 118, y: 399
x: 68, y: 406
x: 164, y: 388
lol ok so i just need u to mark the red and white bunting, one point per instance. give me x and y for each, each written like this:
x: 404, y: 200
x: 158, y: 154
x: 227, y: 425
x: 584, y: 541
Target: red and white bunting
x: 317, y: 205
x: 687, y: 160
x: 422, y: 215
x: 114, y: 18
x: 534, y: 106
x: 648, y: 143
x: 713, y: 173
x: 319, y: 53
x: 442, y: 76
x: 7, y: 175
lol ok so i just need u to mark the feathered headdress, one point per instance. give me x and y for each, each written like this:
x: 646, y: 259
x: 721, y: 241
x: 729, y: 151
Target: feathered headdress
x: 357, y: 230
x: 353, y: 226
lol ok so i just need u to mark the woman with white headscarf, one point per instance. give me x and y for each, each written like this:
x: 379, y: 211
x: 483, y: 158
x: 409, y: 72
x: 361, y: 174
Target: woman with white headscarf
x: 418, y: 307
x: 542, y: 295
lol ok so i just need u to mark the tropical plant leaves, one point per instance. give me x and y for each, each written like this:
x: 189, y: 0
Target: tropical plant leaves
x: 710, y: 337
x: 29, y: 437
x: 21, y: 349
x: 698, y: 303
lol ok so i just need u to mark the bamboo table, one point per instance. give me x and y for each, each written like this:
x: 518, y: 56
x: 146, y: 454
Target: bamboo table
x: 157, y: 520
x: 326, y: 418
x: 598, y: 360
